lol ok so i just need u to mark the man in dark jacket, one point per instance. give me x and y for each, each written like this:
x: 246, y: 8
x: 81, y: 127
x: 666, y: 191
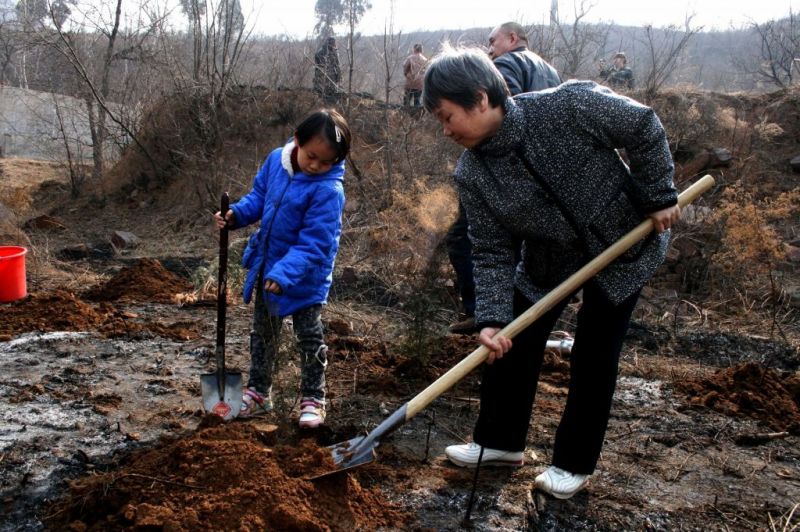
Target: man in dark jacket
x: 523, y: 71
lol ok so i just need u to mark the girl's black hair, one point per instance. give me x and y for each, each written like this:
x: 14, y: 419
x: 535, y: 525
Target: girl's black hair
x: 331, y: 126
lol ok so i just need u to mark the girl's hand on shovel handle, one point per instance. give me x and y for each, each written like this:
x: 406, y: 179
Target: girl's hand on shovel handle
x: 272, y: 286
x: 228, y: 221
x: 497, y: 346
x: 665, y: 218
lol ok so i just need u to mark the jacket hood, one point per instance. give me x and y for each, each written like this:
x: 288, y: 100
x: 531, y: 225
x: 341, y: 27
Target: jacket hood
x: 336, y: 172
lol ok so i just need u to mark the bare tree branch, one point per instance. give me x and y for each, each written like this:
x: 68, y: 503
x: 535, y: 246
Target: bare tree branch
x: 664, y: 48
x: 576, y: 44
x: 779, y: 42
x: 67, y: 49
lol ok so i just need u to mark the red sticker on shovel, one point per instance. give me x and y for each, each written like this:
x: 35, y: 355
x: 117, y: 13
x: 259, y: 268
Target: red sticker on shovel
x: 221, y: 409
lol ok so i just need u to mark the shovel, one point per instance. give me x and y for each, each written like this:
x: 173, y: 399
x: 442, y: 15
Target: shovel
x: 222, y: 390
x: 361, y: 449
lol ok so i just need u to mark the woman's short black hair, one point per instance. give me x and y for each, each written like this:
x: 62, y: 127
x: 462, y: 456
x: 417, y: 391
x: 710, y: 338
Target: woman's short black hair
x: 331, y: 126
x: 460, y: 75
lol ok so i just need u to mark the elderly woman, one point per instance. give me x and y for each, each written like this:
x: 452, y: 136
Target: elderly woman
x: 542, y: 168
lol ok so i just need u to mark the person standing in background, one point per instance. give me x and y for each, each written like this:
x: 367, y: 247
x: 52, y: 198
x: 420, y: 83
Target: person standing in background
x: 327, y: 71
x: 618, y: 75
x: 414, y: 71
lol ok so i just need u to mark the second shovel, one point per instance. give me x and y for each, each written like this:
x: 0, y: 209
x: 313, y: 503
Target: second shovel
x: 222, y: 390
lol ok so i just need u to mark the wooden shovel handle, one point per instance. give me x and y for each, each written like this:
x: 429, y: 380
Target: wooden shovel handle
x: 570, y: 285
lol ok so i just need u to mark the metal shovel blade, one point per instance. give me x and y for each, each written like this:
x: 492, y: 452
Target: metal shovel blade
x: 349, y: 454
x: 361, y: 449
x: 353, y: 452
x: 228, y: 404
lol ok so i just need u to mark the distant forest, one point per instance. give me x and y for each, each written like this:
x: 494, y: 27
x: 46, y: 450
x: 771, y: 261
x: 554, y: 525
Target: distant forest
x: 41, y: 50
x: 759, y: 57
x: 723, y: 61
x: 121, y: 64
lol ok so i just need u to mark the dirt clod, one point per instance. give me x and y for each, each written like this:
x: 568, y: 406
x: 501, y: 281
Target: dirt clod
x: 50, y: 311
x: 750, y: 390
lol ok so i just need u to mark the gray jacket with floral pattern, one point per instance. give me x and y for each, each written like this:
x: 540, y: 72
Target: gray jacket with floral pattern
x: 567, y: 136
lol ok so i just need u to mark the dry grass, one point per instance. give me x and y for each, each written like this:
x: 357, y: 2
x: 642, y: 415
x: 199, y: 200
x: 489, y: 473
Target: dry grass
x: 743, y: 270
x: 749, y: 243
x: 21, y: 178
x: 741, y: 277
x: 414, y: 226
x: 46, y: 271
x: 788, y: 522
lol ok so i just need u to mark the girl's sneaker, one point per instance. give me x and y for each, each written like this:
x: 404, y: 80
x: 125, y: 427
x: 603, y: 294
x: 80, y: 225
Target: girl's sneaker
x: 312, y: 413
x: 255, y: 403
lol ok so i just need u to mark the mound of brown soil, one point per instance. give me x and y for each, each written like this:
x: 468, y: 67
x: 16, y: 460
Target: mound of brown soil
x: 51, y: 311
x: 64, y: 311
x: 224, y: 478
x: 147, y: 280
x: 750, y: 390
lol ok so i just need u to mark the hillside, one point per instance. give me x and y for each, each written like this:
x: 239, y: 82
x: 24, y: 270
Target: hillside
x: 103, y: 427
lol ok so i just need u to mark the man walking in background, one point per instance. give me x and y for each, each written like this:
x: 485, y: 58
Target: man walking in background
x: 414, y: 71
x: 523, y: 71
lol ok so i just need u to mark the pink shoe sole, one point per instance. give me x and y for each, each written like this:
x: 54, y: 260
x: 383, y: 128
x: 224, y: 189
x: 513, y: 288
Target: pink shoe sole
x: 312, y: 414
x: 311, y: 424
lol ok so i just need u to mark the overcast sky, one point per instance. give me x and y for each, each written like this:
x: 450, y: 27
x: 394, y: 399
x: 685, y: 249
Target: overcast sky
x: 296, y: 17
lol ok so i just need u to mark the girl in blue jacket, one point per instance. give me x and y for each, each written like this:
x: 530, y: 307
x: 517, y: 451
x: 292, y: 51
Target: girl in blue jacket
x: 298, y: 196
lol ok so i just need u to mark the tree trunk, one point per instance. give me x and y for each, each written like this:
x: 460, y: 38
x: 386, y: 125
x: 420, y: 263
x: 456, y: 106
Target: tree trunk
x: 387, y: 126
x: 99, y: 131
x: 97, y: 144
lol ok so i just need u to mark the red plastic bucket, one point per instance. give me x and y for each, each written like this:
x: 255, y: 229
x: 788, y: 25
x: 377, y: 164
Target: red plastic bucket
x: 12, y: 273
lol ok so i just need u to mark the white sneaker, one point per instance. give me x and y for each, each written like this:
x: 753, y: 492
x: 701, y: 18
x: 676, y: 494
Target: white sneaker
x: 467, y: 456
x: 559, y: 483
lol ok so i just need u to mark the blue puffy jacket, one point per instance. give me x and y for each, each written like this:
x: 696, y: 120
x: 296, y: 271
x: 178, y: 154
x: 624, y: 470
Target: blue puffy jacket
x: 301, y: 221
